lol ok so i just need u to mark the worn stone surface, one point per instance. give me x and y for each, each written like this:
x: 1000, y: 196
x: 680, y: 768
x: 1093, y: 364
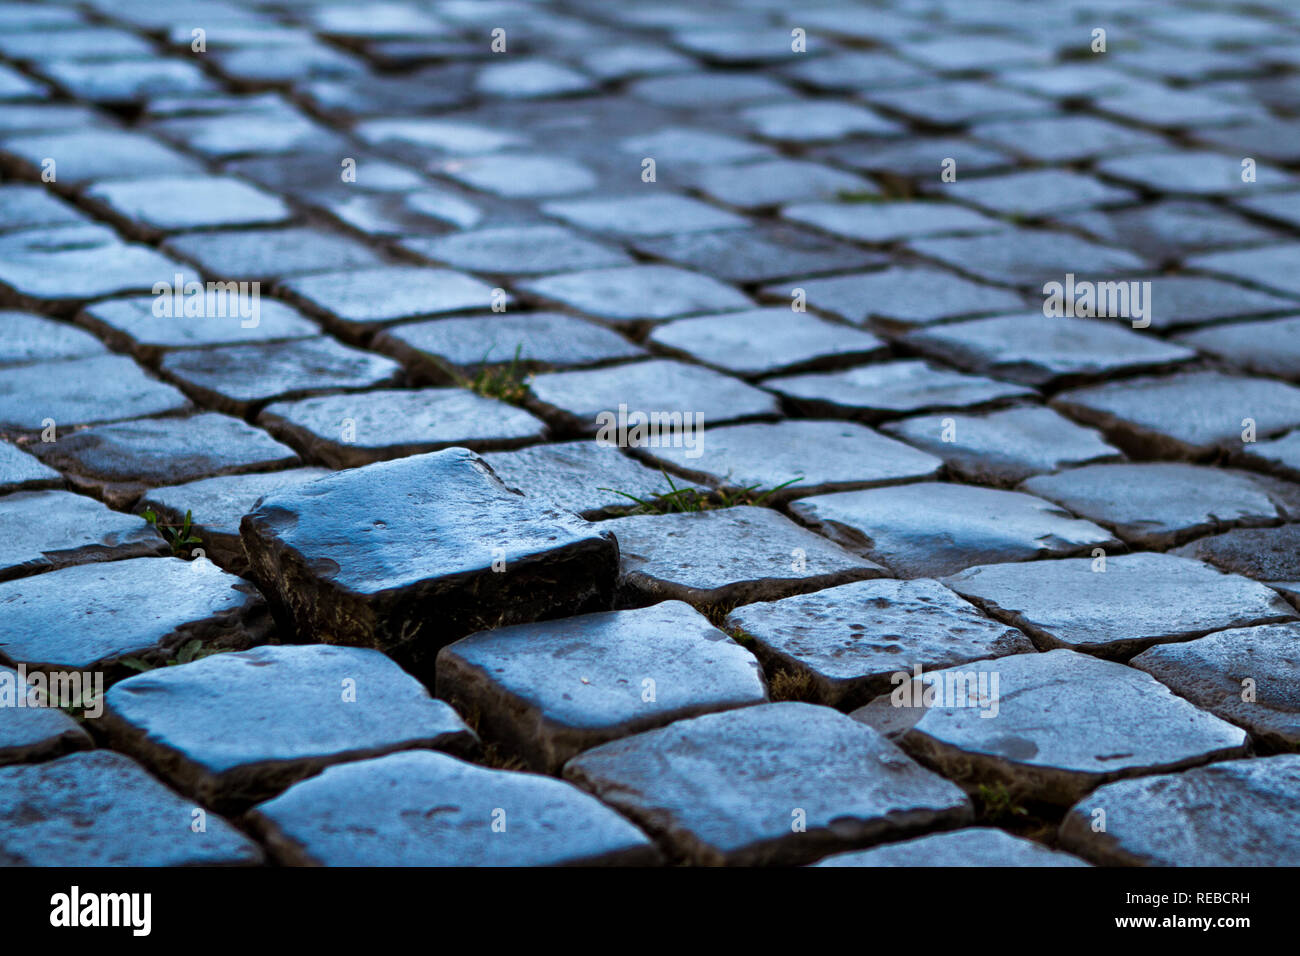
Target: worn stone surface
x: 1271, y: 555
x: 1136, y: 601
x: 890, y: 389
x: 936, y: 528
x: 30, y: 729
x: 145, y: 608
x: 808, y: 457
x: 517, y: 250
x: 426, y: 809
x: 30, y: 338
x: 1157, y: 505
x: 152, y: 207
x: 1236, y: 813
x: 81, y: 392
x: 1269, y: 348
x: 1004, y: 448
x: 232, y: 730
x: 20, y: 471
x: 102, y: 809
x: 727, y: 556
x: 117, y: 462
x: 632, y: 295
x: 1248, y: 676
x: 549, y: 690
x: 400, y: 555
x: 850, y: 640
x: 45, y: 530
x: 1028, y: 257
x: 723, y: 788
x: 266, y: 254
x: 762, y: 253
x: 345, y: 431
x: 1107, y: 721
x: 973, y: 846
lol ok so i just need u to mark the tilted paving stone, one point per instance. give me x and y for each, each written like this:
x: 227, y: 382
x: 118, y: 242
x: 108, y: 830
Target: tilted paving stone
x: 519, y: 176
x: 1037, y: 193
x: 1028, y: 257
x: 728, y: 789
x: 452, y: 350
x: 1154, y: 104
x: 808, y: 457
x: 400, y: 215
x: 891, y: 389
x: 268, y: 254
x: 31, y: 729
x: 1283, y: 207
x: 880, y: 222
x: 1269, y: 348
x: 1005, y: 447
x: 634, y: 295
x: 916, y: 157
x: 358, y: 300
x: 1236, y: 813
x: 347, y: 559
x: 44, y: 530
x: 1181, y: 301
x: 29, y: 338
x: 1272, y: 137
x: 663, y: 387
x: 241, y: 130
x: 1271, y: 555
x: 1137, y: 600
x: 727, y: 556
x: 585, y: 477
x: 985, y: 722
x: 517, y: 250
x: 79, y: 270
x: 1248, y: 676
x: 550, y: 690
x: 1064, y: 138
x: 131, y: 325
x: 900, y: 298
x: 429, y: 809
x: 973, y: 846
x: 816, y: 121
x: 849, y: 641
x: 762, y: 253
x: 117, y: 462
x: 1170, y: 229
x: 775, y: 182
x: 120, y: 614
x: 102, y: 809
x: 88, y: 41
x: 90, y: 154
x: 936, y: 528
x: 1187, y: 172
x: 24, y: 206
x: 1158, y: 505
x: 127, y: 81
x: 958, y: 102
x: 1193, y: 414
x: 687, y: 146
x: 20, y: 471
x: 52, y: 118
x: 239, y: 378
x: 1271, y: 267
x: 232, y: 730
x: 1281, y: 455
x: 153, y: 207
x: 353, y: 429
x: 643, y: 215
x: 695, y: 90
x: 856, y: 70
x: 1035, y: 350
x: 766, y: 342
x: 530, y: 79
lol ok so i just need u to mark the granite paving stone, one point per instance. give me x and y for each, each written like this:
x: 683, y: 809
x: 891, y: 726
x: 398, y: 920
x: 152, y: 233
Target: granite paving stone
x: 550, y: 690
x: 1191, y: 173
x: 518, y: 176
x: 723, y: 789
x: 84, y: 155
x: 347, y: 559
x: 1271, y: 555
x: 1190, y: 414
x: 84, y: 267
x: 46, y: 530
x: 643, y: 215
x: 775, y: 182
x: 269, y: 254
x: 1120, y: 606
x: 1064, y: 138
x: 807, y: 457
x: 1035, y: 350
x: 1169, y: 230
x: 1282, y: 455
x: 1027, y: 257
x: 128, y: 80
x: 915, y: 157
x: 517, y: 250
x: 759, y: 254
x: 882, y: 222
x: 1247, y: 676
x: 957, y: 102
x: 353, y: 429
x: 116, y: 462
x: 1271, y: 267
x: 81, y: 392
x: 453, y: 350
x: 25, y: 207
x: 1004, y: 447
x: 1270, y: 348
x: 1235, y: 813
x: 20, y: 471
x: 936, y: 528
x: 969, y: 847
x: 685, y: 146
x: 27, y: 338
x: 232, y: 730
x: 708, y: 89
x: 684, y: 397
x: 427, y: 809
x: 727, y: 556
x: 102, y: 809
x: 1180, y: 301
x: 850, y: 641
x: 143, y: 608
x: 32, y: 730
x: 1158, y: 505
x: 766, y: 342
x: 240, y: 378
x: 814, y: 121
x: 891, y: 389
x: 1037, y: 193
x: 1107, y: 722
x: 634, y: 295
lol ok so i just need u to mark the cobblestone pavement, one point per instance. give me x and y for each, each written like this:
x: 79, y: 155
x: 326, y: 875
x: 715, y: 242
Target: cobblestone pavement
x: 674, y: 432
